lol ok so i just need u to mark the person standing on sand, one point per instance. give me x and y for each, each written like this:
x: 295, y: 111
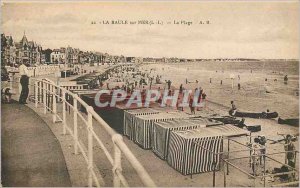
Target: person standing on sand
x: 233, y: 109
x: 262, y: 143
x: 285, y: 79
x: 289, y: 147
x: 192, y: 105
x: 254, y: 156
x: 151, y: 78
x: 169, y: 84
x: 200, y: 92
x: 180, y: 88
x: 135, y: 84
x: 179, y: 101
x: 203, y: 96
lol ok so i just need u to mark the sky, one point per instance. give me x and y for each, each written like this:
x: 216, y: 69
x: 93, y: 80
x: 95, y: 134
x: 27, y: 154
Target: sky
x: 235, y: 29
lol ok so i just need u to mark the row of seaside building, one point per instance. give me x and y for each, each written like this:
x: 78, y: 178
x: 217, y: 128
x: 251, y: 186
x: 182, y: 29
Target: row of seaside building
x: 29, y: 52
x: 32, y: 53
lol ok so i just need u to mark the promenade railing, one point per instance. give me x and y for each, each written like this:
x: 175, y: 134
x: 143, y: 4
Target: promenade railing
x: 48, y: 94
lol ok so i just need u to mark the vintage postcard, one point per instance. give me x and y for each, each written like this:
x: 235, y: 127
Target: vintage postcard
x: 149, y: 93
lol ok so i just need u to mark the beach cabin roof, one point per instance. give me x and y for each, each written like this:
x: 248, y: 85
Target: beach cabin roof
x: 228, y: 130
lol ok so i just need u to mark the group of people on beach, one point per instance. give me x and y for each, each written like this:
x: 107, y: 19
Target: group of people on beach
x: 201, y: 98
x: 258, y: 152
x: 132, y: 78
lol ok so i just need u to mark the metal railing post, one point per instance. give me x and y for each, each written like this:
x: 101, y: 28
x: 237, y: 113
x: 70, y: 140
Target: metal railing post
x: 44, y: 97
x: 36, y: 94
x: 48, y: 97
x: 117, y: 160
x: 54, y: 104
x: 224, y: 173
x: 64, y: 111
x: 90, y: 146
x: 75, y: 124
x: 39, y: 92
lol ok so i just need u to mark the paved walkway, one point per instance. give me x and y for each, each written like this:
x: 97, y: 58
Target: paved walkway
x: 31, y: 154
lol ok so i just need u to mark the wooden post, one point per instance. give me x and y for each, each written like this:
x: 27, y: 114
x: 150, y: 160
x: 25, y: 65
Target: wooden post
x: 228, y: 155
x: 254, y: 169
x: 214, y: 174
x: 250, y: 150
x: 295, y: 160
x: 264, y: 170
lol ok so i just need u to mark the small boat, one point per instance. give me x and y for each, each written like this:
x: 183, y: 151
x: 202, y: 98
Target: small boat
x: 253, y: 128
x: 263, y: 115
x: 292, y: 121
x: 226, y: 119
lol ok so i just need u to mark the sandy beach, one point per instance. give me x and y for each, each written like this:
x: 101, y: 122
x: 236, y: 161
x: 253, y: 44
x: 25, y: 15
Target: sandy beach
x: 252, y: 96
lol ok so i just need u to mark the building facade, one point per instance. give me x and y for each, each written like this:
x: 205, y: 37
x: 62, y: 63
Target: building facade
x: 28, y: 52
x: 8, y: 51
x: 72, y: 55
x: 58, y: 56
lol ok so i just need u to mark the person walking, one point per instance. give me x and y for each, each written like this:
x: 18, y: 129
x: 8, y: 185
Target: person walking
x: 24, y: 80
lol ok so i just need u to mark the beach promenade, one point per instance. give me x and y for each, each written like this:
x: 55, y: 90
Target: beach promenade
x: 31, y: 154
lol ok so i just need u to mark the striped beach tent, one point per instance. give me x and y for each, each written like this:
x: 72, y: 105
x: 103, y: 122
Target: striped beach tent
x: 161, y: 132
x: 186, y: 153
x: 194, y: 151
x: 143, y: 129
x: 129, y: 120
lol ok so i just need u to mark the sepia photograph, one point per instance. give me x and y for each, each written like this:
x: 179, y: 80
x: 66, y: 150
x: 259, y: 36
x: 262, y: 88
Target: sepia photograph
x: 149, y: 93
